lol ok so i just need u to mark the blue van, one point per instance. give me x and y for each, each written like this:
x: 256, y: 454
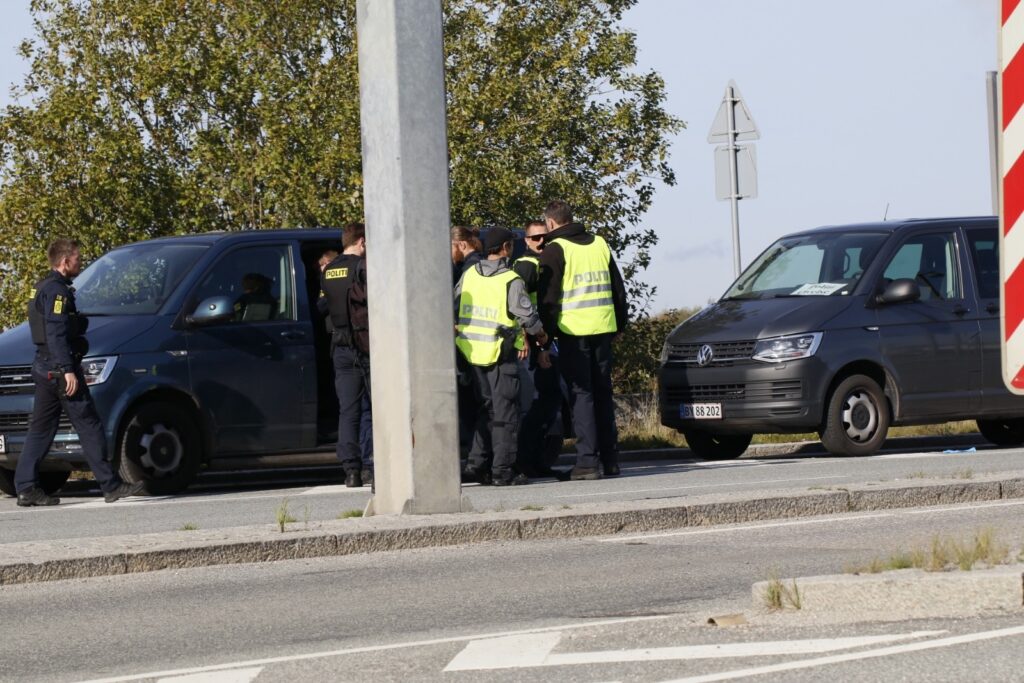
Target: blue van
x: 204, y: 349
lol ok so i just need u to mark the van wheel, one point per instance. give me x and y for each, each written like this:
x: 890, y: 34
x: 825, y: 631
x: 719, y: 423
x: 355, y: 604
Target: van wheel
x: 858, y: 417
x: 1002, y: 432
x: 708, y: 446
x: 50, y: 482
x: 160, y: 446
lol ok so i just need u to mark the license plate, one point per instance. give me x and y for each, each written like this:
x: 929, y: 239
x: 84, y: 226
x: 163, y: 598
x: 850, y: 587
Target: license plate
x: 700, y: 411
x: 3, y: 443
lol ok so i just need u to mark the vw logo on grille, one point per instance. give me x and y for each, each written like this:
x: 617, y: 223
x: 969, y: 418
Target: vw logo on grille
x: 705, y: 355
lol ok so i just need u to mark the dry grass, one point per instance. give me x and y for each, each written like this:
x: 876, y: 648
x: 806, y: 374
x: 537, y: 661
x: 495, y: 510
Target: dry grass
x: 640, y: 428
x: 778, y: 596
x: 984, y: 550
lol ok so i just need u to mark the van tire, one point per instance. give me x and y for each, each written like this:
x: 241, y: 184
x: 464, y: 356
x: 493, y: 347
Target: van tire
x: 857, y: 420
x: 1002, y: 432
x: 708, y: 446
x: 159, y: 445
x: 49, y: 481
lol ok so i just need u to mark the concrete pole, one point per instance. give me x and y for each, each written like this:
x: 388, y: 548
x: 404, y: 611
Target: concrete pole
x: 405, y: 179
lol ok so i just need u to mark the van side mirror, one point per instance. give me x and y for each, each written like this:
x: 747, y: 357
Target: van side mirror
x: 216, y: 309
x: 899, y: 291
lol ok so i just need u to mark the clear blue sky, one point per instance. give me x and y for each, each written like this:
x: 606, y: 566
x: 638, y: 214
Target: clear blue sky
x: 860, y: 105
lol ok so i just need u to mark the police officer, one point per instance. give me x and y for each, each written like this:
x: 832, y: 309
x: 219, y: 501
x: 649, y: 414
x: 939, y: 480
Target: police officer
x: 58, y: 331
x: 583, y: 301
x: 546, y: 381
x: 491, y: 305
x: 351, y: 362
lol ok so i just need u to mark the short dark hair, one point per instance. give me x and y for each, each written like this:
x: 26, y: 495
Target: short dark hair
x: 352, y: 233
x: 559, y: 212
x: 530, y: 224
x: 59, y: 250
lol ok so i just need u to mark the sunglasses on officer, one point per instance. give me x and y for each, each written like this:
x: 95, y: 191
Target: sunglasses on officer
x: 535, y: 238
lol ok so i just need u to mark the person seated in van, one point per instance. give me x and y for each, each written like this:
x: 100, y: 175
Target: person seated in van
x: 256, y: 302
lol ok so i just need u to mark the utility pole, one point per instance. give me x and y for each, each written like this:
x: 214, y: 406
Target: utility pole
x: 735, y: 165
x: 405, y: 180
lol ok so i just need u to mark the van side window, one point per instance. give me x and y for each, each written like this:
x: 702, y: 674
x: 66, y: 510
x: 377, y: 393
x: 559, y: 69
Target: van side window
x: 984, y: 244
x: 929, y: 260
x: 257, y: 279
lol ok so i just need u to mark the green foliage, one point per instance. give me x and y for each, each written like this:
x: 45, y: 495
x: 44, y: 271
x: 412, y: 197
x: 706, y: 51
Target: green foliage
x: 638, y: 349
x: 142, y: 118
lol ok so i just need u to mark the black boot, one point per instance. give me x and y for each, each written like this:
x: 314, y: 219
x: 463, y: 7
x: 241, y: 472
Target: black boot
x: 36, y: 496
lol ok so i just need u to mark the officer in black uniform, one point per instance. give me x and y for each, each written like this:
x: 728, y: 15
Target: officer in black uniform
x: 58, y: 332
x: 351, y: 363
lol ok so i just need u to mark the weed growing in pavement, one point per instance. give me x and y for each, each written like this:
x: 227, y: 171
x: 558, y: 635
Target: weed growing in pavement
x: 532, y: 508
x: 282, y: 515
x: 189, y: 526
x: 349, y: 514
x: 966, y: 473
x: 567, y: 507
x: 778, y: 596
x: 984, y: 550
x: 305, y: 516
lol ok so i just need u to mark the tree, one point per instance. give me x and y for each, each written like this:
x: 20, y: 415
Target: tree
x: 142, y: 118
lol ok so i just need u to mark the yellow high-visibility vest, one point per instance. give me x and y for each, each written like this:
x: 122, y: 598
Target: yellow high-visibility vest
x: 483, y: 317
x: 586, y: 304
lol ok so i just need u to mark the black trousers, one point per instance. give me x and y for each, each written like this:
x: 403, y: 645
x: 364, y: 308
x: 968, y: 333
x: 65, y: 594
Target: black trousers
x: 586, y: 364
x: 497, y: 422
x: 50, y: 400
x: 352, y: 385
x: 540, y: 417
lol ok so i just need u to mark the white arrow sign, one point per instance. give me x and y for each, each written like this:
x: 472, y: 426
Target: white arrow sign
x: 535, y: 649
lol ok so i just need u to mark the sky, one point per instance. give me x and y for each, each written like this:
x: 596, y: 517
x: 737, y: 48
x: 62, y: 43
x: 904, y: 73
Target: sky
x: 863, y: 107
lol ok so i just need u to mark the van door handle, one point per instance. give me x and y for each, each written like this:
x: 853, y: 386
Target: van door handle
x: 960, y: 310
x: 992, y: 308
x: 293, y: 334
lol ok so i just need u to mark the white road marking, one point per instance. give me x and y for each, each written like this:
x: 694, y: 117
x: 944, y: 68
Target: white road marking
x: 699, y: 486
x: 853, y: 656
x: 232, y: 676
x: 329, y: 489
x: 746, y: 527
x: 534, y: 650
x: 369, y: 648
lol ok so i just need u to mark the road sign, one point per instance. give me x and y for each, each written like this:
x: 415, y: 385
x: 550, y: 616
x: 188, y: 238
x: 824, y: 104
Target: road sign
x: 1011, y: 226
x: 746, y: 172
x: 744, y: 124
x: 735, y: 167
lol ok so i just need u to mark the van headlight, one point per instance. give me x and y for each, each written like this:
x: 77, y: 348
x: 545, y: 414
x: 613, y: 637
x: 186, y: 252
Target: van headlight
x: 790, y: 347
x: 663, y: 358
x: 97, y: 370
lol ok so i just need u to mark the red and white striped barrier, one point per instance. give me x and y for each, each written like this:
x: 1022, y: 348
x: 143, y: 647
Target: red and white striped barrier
x: 1011, y: 156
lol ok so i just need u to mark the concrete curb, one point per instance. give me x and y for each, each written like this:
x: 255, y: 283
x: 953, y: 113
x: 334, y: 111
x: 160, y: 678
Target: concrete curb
x: 900, y: 443
x: 909, y: 593
x: 32, y: 561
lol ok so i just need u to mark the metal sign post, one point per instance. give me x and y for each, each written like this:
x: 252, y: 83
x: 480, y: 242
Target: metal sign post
x: 733, y: 123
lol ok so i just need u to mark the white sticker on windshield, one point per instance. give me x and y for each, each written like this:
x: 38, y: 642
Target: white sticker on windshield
x: 817, y: 289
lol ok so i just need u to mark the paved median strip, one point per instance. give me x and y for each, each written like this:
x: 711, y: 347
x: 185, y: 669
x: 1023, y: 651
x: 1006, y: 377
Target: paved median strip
x: 27, y: 562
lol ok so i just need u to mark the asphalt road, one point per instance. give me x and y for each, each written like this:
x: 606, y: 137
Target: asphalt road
x: 577, y: 610
x: 239, y: 499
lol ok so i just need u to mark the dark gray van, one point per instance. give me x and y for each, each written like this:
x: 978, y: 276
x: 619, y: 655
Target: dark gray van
x: 203, y: 349
x: 847, y: 331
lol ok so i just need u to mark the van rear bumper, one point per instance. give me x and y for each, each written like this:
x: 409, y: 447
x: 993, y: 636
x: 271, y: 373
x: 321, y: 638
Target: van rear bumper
x: 755, y: 397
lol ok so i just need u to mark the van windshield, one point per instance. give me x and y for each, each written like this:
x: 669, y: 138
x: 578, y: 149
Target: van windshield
x: 134, y: 280
x: 824, y: 264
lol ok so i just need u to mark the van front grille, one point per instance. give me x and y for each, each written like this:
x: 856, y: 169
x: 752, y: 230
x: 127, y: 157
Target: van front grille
x: 751, y: 391
x: 17, y: 423
x: 724, y: 353
x: 16, y: 379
